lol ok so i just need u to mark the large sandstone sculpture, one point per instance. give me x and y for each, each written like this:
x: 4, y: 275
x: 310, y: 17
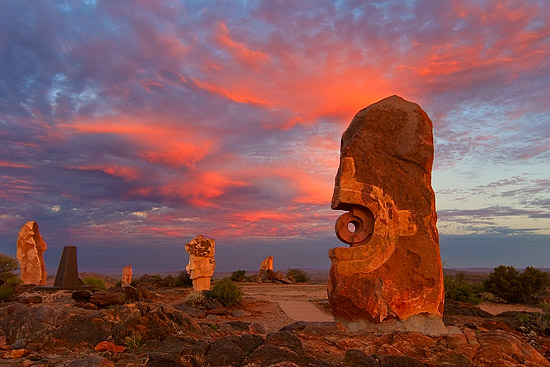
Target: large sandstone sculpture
x: 201, y: 262
x: 392, y: 270
x: 30, y: 254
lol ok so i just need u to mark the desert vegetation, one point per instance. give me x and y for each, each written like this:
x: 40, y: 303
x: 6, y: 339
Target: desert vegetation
x: 504, y: 284
x: 297, y: 275
x: 227, y: 292
x: 8, y: 279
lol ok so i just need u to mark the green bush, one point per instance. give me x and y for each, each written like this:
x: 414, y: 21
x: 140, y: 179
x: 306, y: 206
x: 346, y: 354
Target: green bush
x: 512, y: 286
x: 227, y: 292
x: 98, y: 283
x: 195, y: 298
x: 7, y: 290
x: 183, y: 279
x: 238, y: 276
x: 457, y: 289
x: 298, y: 275
x: 8, y: 265
x: 134, y: 342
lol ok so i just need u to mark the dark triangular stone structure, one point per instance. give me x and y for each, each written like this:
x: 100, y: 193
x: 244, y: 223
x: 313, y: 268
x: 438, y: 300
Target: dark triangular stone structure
x: 67, y: 271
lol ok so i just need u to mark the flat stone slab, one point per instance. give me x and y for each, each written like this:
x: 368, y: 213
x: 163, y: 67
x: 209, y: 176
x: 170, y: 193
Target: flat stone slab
x: 304, y: 311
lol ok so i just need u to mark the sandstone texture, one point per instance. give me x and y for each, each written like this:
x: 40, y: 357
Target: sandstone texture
x: 30, y: 254
x: 161, y: 331
x: 392, y: 270
x: 267, y: 264
x: 201, y: 261
x: 127, y: 276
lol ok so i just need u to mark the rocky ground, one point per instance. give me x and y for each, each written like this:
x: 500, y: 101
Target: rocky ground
x: 152, y: 326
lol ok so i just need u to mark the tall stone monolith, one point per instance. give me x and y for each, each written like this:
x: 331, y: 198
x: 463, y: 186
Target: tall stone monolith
x: 390, y: 278
x: 127, y: 273
x: 30, y: 254
x: 201, y: 261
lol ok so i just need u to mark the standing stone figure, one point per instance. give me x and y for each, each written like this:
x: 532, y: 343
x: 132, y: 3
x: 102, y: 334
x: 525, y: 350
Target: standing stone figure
x: 201, y: 262
x: 267, y: 264
x: 390, y: 278
x: 127, y: 276
x: 30, y: 254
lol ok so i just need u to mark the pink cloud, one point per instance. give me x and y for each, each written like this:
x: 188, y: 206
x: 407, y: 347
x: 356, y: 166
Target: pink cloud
x: 239, y: 50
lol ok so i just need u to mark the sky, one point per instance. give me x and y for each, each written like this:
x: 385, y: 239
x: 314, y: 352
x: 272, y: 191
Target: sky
x: 129, y: 127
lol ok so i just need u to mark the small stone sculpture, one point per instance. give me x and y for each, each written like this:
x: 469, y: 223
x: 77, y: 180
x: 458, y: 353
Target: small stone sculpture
x: 392, y: 270
x: 267, y: 264
x: 127, y: 276
x: 30, y: 254
x: 201, y: 262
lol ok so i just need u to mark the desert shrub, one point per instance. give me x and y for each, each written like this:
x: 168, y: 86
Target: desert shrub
x: 457, y: 289
x: 8, y: 265
x: 298, y: 275
x: 7, y: 290
x: 227, y: 292
x: 134, y: 342
x: 238, y: 276
x: 98, y: 283
x: 195, y: 298
x: 183, y: 279
x: 512, y: 286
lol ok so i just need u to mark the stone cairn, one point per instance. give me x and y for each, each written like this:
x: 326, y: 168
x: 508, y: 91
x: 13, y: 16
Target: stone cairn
x: 201, y: 262
x: 30, y: 254
x: 127, y: 276
x: 390, y: 278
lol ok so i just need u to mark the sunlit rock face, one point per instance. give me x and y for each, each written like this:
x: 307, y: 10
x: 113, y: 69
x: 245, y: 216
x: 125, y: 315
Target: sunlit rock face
x: 30, y: 254
x: 267, y: 264
x: 127, y: 273
x: 392, y: 270
x: 201, y: 261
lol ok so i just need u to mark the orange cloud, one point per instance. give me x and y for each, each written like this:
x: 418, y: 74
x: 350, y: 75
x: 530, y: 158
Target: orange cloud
x: 239, y: 50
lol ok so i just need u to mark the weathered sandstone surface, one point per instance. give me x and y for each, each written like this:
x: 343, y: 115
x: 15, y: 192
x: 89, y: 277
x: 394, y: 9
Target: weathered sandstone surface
x: 201, y: 261
x: 30, y: 254
x: 392, y: 270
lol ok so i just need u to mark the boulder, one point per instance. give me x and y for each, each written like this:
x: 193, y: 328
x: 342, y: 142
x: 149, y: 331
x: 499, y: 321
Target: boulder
x: 392, y: 269
x: 30, y: 254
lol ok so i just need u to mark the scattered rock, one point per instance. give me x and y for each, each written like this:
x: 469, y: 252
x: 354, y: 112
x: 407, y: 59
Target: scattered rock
x: 91, y: 361
x: 105, y: 298
x: 30, y: 299
x: 357, y: 358
x: 109, y: 346
x: 225, y: 351
x: 16, y: 353
x: 240, y: 313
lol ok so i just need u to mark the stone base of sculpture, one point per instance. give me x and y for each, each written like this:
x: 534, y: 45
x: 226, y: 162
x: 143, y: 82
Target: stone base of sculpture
x: 421, y: 323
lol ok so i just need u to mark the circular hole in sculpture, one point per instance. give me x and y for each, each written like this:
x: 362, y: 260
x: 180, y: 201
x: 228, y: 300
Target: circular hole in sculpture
x: 352, y: 227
